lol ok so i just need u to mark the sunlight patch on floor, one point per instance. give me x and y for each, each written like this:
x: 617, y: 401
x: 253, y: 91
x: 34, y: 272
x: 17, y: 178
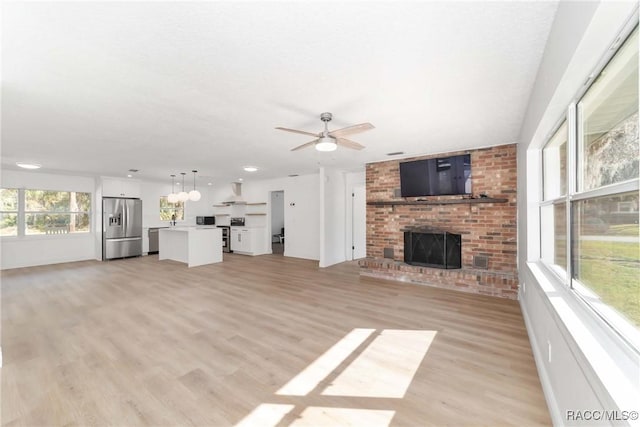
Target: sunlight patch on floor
x: 383, y: 369
x: 386, y: 367
x: 303, y: 383
x: 266, y: 414
x: 317, y: 416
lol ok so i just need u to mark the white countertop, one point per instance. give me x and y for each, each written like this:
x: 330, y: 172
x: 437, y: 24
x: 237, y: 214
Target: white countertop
x: 191, y: 228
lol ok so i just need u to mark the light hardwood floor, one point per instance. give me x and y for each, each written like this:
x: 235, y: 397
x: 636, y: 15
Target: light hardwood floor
x: 142, y: 342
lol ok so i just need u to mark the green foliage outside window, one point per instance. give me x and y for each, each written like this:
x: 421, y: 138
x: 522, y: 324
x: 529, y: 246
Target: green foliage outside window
x: 8, y: 212
x: 44, y: 212
x: 167, y: 210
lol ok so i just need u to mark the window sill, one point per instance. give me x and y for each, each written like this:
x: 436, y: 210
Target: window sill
x: 46, y: 237
x: 604, y: 357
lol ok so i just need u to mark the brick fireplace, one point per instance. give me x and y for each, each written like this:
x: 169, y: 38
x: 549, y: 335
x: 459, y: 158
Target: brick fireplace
x: 487, y: 226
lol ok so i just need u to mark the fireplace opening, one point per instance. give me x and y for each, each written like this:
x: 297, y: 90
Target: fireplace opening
x: 429, y: 248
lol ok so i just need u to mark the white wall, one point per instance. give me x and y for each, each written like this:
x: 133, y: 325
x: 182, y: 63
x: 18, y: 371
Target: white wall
x: 576, y: 360
x: 317, y: 212
x: 352, y: 180
x: 29, y: 251
x: 301, y: 210
x: 333, y: 219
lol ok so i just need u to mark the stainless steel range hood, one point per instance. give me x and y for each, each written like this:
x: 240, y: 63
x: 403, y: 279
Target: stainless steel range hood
x: 236, y: 199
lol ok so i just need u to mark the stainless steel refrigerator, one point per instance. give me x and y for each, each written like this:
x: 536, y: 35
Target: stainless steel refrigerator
x: 121, y: 228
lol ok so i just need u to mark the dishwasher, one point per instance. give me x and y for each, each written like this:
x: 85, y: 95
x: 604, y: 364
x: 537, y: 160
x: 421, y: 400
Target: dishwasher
x: 153, y: 240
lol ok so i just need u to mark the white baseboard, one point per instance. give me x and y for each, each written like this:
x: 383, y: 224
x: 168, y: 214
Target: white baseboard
x: 46, y: 262
x: 556, y: 416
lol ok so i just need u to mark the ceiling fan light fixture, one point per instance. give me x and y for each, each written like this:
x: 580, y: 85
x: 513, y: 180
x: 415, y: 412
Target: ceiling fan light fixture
x: 326, y: 144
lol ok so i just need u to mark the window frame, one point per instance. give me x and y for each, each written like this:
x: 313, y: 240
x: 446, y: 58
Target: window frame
x: 619, y: 328
x: 22, y: 214
x: 16, y: 212
x: 563, y: 273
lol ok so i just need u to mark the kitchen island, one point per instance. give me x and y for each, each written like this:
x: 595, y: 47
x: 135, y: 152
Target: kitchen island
x: 192, y: 245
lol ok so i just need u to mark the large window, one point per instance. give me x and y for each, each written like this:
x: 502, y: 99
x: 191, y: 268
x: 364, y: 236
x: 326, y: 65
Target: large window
x: 33, y: 212
x: 608, y: 146
x: 605, y: 244
x: 56, y: 212
x: 8, y: 212
x: 589, y: 214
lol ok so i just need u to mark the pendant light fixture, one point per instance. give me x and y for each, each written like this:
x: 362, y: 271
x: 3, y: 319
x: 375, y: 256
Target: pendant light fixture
x: 183, y: 196
x: 172, y: 197
x: 194, y: 195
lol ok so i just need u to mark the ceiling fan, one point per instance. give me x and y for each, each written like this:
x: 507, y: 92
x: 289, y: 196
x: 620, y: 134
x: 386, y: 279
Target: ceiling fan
x: 329, y: 141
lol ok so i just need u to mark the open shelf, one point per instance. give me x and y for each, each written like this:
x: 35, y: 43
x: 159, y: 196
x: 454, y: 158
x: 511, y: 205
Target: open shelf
x: 436, y: 202
x: 221, y: 214
x: 255, y: 213
x: 256, y: 204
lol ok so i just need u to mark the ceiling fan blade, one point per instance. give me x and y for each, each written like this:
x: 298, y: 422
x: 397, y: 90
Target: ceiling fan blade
x: 297, y: 131
x: 350, y: 130
x: 308, y: 144
x: 349, y: 144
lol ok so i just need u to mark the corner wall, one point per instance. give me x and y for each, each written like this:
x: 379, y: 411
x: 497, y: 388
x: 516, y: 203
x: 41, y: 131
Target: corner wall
x: 333, y: 219
x: 301, y: 210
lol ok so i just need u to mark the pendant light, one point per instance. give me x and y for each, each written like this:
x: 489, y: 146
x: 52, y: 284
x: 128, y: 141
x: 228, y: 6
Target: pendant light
x: 194, y: 195
x: 172, y: 197
x: 183, y: 196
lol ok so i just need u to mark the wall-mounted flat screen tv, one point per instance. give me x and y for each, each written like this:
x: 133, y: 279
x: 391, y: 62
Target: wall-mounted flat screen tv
x: 435, y: 177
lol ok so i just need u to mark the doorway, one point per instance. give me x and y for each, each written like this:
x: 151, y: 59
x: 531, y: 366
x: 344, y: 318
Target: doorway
x: 277, y: 222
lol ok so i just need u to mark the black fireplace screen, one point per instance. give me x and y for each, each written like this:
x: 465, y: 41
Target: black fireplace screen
x: 433, y: 249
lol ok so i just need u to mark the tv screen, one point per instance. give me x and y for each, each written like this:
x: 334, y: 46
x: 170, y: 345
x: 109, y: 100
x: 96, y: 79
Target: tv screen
x: 435, y: 177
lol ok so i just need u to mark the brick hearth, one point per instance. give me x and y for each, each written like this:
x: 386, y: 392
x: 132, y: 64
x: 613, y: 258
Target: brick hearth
x: 487, y: 229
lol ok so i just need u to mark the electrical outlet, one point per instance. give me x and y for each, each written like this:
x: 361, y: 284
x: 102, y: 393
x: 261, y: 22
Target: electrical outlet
x: 549, y: 350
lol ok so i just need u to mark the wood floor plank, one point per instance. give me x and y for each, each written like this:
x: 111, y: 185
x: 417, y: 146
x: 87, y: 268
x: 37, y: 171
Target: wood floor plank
x: 139, y: 342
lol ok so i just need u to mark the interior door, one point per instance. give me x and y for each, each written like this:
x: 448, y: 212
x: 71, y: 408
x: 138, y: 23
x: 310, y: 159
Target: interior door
x: 113, y: 217
x: 359, y: 223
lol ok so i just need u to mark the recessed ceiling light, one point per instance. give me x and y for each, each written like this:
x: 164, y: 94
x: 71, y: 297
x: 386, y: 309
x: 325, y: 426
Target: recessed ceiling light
x: 239, y: 179
x: 209, y: 183
x: 129, y: 175
x: 395, y: 153
x: 250, y: 168
x: 25, y: 165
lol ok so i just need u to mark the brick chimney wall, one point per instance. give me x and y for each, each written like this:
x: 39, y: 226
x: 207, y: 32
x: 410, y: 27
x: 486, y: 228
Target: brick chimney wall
x: 488, y: 229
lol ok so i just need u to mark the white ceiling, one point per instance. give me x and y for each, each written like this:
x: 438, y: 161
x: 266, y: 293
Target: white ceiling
x: 99, y: 88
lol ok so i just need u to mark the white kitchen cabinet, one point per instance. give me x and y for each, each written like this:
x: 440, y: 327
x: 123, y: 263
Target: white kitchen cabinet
x: 247, y: 241
x: 116, y: 187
